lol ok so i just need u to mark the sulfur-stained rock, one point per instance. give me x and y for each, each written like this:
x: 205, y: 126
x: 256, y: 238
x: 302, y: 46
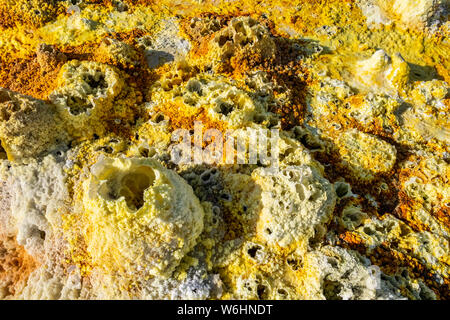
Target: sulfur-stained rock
x: 426, y: 181
x: 147, y: 216
x: 428, y: 119
x: 28, y: 127
x: 45, y: 285
x: 383, y: 73
x: 352, y: 217
x: 196, y: 285
x: 89, y: 94
x: 166, y: 46
x: 375, y: 16
x: 85, y: 86
x: 365, y: 155
x: 295, y: 204
x: 37, y: 192
x: 431, y: 93
x: 398, y: 73
x: 331, y: 273
x: 341, y: 274
x: 244, y: 37
x: 154, y: 137
x: 16, y: 266
x: 48, y: 57
x: 33, y: 13
x: 118, y: 52
x: 414, y: 13
x: 327, y: 123
x: 257, y: 286
x: 375, y: 109
x: 429, y: 248
x: 223, y: 101
x: 372, y: 68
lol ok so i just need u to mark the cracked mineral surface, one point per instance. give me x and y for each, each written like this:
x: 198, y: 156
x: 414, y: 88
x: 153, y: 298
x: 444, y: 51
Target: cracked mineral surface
x: 96, y: 94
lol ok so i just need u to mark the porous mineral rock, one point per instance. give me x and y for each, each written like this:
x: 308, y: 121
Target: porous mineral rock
x: 28, y: 127
x: 119, y: 52
x: 139, y: 216
x: 239, y: 149
x: 381, y: 72
x: 366, y: 155
x: 89, y: 94
x: 295, y: 204
x: 414, y: 13
x: 243, y: 38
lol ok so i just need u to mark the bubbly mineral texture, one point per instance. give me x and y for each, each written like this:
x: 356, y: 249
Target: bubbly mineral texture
x: 294, y: 205
x: 29, y: 127
x: 139, y: 217
x: 224, y: 149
